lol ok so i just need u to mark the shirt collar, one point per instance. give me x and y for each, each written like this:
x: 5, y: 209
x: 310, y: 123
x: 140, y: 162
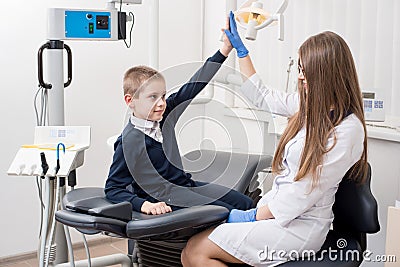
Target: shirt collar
x: 146, y: 124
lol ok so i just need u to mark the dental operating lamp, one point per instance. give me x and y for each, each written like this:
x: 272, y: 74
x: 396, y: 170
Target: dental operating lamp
x: 252, y: 17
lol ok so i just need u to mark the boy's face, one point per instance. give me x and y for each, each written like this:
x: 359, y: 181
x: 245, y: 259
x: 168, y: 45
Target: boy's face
x: 149, y: 103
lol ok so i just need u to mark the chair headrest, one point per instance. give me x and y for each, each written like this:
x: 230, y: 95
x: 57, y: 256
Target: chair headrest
x: 355, y: 207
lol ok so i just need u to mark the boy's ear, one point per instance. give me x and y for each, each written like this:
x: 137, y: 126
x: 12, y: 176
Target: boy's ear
x: 128, y: 99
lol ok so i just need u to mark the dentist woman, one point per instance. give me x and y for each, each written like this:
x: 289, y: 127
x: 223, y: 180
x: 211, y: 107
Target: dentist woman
x: 325, y: 137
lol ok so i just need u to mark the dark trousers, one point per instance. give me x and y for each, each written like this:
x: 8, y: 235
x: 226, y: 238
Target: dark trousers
x: 218, y: 195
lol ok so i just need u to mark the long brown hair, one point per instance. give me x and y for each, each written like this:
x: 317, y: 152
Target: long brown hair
x: 332, y: 84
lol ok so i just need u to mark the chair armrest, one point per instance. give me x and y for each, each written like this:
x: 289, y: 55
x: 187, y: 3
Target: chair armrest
x: 89, y: 224
x: 101, y: 207
x: 92, y: 200
x: 180, y: 223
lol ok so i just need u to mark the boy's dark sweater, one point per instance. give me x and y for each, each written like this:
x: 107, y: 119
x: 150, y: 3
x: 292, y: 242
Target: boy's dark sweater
x: 153, y: 167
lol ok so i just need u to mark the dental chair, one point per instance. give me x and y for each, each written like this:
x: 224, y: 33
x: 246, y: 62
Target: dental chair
x: 159, y: 239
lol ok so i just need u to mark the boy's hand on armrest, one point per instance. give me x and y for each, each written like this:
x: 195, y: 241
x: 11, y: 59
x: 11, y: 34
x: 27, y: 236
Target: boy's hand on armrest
x: 155, y: 208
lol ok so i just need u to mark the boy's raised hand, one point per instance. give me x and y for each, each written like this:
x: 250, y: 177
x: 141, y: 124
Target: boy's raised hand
x: 226, y: 46
x: 234, y: 37
x: 155, y: 208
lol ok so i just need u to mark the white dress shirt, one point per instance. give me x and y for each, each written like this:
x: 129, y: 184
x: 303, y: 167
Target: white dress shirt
x: 150, y: 128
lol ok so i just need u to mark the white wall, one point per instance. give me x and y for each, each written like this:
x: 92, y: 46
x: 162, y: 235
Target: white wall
x: 94, y: 97
x: 370, y: 27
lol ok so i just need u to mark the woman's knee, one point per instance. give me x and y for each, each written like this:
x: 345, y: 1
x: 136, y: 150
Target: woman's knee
x: 189, y: 256
x: 191, y: 246
x: 185, y: 258
x: 195, y: 249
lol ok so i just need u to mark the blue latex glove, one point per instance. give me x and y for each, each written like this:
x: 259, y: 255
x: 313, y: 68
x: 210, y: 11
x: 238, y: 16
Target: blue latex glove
x: 236, y: 216
x: 234, y: 37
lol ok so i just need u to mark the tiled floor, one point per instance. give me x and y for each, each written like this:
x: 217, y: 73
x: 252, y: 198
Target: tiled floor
x: 108, y: 247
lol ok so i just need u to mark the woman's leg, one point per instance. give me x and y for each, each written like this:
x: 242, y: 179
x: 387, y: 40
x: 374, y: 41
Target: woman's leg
x: 200, y: 251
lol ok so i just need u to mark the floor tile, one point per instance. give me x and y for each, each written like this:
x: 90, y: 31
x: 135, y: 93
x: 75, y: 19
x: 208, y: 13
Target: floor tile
x: 108, y: 247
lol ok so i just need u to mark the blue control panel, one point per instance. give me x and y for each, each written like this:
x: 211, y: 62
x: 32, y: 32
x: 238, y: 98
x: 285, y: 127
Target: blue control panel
x: 87, y: 24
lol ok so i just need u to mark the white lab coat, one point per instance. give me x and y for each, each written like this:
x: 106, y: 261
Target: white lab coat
x: 302, y: 217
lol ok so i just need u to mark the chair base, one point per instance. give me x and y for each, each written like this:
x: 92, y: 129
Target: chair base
x: 159, y: 253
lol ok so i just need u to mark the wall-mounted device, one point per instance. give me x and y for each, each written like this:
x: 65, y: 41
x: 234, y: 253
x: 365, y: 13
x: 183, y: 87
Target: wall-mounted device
x: 104, y: 25
x: 374, y: 109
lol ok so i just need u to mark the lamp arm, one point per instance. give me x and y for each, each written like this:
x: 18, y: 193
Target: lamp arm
x: 247, y: 4
x: 125, y: 1
x: 267, y: 22
x: 276, y: 17
x: 240, y: 23
x: 283, y: 7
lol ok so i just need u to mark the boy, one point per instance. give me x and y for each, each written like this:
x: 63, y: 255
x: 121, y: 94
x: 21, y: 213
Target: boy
x: 148, y: 160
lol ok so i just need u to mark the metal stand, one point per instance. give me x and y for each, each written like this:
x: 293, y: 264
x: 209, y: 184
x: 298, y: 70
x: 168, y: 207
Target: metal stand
x: 53, y: 249
x: 58, y: 248
x: 53, y: 243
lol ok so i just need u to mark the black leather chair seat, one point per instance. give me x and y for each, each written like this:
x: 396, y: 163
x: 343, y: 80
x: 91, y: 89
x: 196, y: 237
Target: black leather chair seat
x: 90, y: 212
x: 161, y: 238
